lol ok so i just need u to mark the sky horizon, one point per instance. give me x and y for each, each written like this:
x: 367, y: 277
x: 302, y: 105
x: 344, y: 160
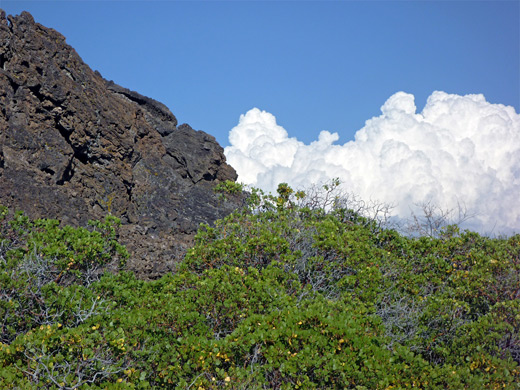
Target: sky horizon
x: 406, y: 102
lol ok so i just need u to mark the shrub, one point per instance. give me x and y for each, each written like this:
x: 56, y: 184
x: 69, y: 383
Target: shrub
x: 302, y: 289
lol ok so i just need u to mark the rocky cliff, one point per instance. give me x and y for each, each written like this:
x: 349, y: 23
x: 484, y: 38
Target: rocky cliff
x: 74, y: 146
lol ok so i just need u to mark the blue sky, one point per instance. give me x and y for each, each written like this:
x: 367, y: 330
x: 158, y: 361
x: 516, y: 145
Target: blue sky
x: 302, y: 92
x: 314, y: 65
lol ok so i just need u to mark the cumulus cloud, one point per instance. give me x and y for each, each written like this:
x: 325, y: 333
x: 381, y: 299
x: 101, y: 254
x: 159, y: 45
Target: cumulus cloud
x: 458, y: 150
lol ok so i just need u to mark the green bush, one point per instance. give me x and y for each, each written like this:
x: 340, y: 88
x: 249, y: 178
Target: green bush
x: 295, y: 290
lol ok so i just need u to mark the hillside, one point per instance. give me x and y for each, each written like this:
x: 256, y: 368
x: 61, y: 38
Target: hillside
x: 291, y: 291
x: 75, y: 147
x: 139, y: 263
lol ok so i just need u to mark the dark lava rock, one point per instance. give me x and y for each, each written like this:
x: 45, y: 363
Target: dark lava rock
x: 74, y: 146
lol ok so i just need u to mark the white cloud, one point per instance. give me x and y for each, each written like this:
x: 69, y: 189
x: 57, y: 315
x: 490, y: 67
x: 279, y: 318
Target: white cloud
x: 458, y: 149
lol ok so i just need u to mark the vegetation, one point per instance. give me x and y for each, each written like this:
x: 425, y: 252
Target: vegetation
x: 297, y: 290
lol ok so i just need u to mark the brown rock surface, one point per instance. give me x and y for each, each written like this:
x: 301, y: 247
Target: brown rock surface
x: 74, y: 146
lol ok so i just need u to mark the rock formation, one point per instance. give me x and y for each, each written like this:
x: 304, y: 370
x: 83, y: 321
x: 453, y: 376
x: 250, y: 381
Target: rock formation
x: 74, y: 146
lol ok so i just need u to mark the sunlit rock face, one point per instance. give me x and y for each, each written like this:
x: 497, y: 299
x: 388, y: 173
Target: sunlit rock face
x: 74, y: 146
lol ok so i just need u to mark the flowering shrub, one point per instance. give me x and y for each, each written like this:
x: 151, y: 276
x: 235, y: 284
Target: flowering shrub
x: 295, y: 290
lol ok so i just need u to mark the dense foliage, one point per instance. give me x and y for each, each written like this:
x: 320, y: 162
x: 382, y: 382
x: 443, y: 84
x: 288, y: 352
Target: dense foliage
x: 292, y: 291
